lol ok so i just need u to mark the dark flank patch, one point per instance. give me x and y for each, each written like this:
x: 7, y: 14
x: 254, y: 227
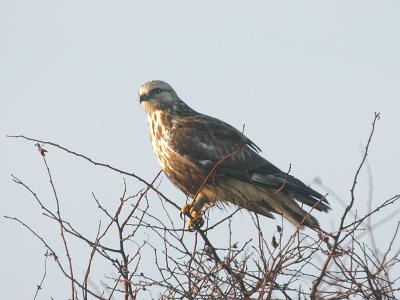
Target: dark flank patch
x: 184, y: 174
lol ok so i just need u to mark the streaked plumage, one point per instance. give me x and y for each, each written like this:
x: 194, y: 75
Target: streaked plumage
x: 189, y: 144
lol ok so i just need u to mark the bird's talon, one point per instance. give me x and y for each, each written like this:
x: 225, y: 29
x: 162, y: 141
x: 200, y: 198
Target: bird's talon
x: 185, y: 210
x: 196, y: 220
x: 195, y: 224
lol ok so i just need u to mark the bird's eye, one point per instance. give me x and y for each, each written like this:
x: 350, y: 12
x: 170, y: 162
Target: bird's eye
x: 155, y: 92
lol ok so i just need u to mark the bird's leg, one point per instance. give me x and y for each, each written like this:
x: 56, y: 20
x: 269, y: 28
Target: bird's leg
x: 194, y: 212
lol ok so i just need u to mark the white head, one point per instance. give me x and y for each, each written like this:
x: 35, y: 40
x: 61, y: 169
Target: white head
x: 157, y: 94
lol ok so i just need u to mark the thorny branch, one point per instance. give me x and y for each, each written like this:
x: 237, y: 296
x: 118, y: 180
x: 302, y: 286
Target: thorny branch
x: 40, y: 285
x: 332, y: 251
x: 58, y: 212
x: 150, y: 255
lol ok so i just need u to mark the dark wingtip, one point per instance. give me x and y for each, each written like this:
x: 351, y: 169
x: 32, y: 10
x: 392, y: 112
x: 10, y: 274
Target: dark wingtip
x: 253, y: 146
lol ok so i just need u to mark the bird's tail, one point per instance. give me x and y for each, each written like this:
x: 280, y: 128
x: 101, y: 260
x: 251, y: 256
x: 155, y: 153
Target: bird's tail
x: 263, y: 199
x: 282, y: 194
x: 285, y: 204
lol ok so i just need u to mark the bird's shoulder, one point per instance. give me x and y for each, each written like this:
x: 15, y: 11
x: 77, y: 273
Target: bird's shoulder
x: 203, y: 128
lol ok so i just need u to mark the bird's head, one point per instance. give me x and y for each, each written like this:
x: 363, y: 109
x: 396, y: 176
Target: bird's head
x: 157, y: 95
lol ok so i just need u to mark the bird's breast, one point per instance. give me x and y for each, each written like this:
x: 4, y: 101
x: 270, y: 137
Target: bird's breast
x: 159, y: 133
x: 181, y: 171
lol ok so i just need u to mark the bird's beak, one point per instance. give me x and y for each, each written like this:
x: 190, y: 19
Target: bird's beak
x: 142, y: 98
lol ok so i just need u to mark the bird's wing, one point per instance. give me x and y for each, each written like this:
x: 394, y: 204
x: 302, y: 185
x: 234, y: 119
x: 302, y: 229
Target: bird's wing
x: 206, y: 141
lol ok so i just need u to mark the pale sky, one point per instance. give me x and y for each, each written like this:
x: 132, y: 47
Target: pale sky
x: 304, y: 76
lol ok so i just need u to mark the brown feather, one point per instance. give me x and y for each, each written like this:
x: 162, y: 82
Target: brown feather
x: 188, y: 145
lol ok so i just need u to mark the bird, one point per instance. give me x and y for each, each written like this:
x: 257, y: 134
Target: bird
x: 216, y: 164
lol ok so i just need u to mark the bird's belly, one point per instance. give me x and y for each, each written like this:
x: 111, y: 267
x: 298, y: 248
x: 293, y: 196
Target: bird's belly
x: 185, y: 174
